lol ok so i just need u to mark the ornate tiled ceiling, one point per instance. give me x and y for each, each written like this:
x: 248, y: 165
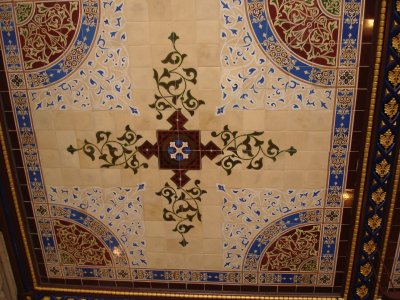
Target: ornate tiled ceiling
x: 188, y: 146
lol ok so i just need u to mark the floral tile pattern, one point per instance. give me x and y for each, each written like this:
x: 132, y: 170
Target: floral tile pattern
x: 121, y: 209
x: 99, y: 52
x: 254, y: 57
x: 234, y: 170
x: 246, y: 211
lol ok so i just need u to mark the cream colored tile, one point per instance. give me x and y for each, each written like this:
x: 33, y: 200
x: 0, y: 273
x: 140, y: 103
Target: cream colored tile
x: 146, y: 121
x: 63, y: 139
x: 142, y: 77
x: 277, y: 120
x: 140, y: 56
x: 159, y: 33
x: 128, y: 178
x: 190, y: 60
x: 297, y: 139
x: 53, y: 176
x: 50, y: 158
x: 157, y: 260
x: 153, y: 212
x: 318, y: 141
x: 155, y: 228
x: 195, y: 233
x: 177, y: 260
x: 43, y: 120
x: 63, y: 120
x: 160, y: 10
x: 86, y: 162
x: 308, y: 160
x: 208, y: 120
x: 183, y: 10
x: 234, y: 120
x: 156, y: 244
x: 156, y: 179
x: 208, y: 55
x: 296, y: 179
x: 260, y: 179
x: 142, y: 99
x: 212, y: 213
x: 207, y: 9
x: 305, y: 120
x: 159, y: 53
x: 214, y: 197
x: 68, y: 160
x: 253, y: 120
x: 235, y: 179
x: 105, y: 120
x: 212, y: 262
x: 316, y: 179
x: 138, y: 10
x: 83, y: 120
x: 209, y: 136
x: 194, y: 246
x: 210, y: 231
x: 213, y: 246
x: 111, y: 177
x: 91, y: 177
x: 212, y: 98
x: 71, y: 176
x: 138, y: 33
x: 204, y: 262
x: 213, y: 172
x: 209, y: 78
x: 45, y: 139
x: 186, y: 30
x: 281, y: 160
x: 208, y: 32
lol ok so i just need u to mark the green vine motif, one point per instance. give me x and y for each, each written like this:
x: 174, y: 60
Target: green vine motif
x: 184, y: 207
x: 332, y: 6
x: 119, y: 152
x: 23, y: 11
x: 172, y: 84
x: 246, y: 148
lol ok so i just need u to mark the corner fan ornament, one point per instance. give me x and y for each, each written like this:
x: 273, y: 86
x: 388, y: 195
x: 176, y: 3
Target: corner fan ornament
x: 178, y: 149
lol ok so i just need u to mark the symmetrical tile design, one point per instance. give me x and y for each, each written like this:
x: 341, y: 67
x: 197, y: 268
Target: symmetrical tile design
x: 42, y: 42
x: 279, y: 236
x: 308, y: 32
x: 262, y: 246
x: 183, y: 207
x: 247, y: 211
x: 102, y: 82
x: 256, y: 61
x: 179, y: 149
x: 57, y: 232
x: 292, y: 48
x: 251, y: 79
x: 85, y: 247
x: 120, y: 209
x: 174, y: 84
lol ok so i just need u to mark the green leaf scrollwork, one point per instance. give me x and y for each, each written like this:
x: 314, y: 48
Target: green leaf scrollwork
x: 246, y: 148
x: 172, y: 84
x: 119, y: 152
x: 183, y: 207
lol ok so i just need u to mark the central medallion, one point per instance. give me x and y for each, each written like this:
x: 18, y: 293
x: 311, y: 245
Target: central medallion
x: 179, y: 149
